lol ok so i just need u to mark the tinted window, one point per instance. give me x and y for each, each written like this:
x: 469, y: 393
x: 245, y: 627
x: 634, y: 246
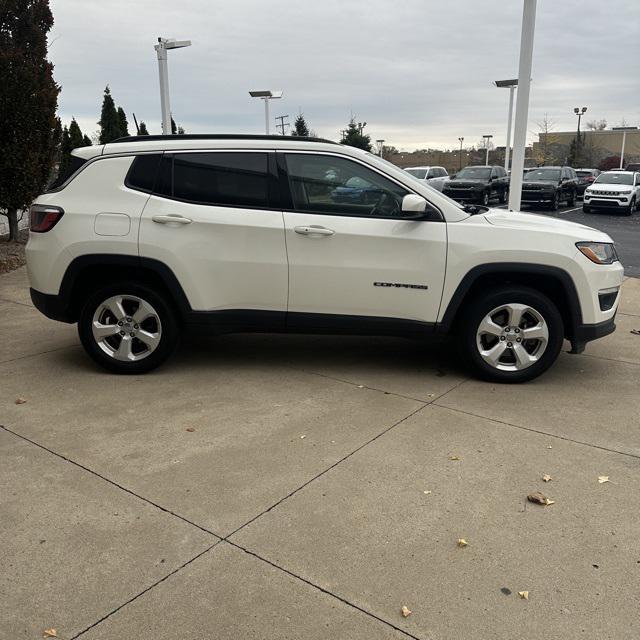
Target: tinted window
x: 143, y: 172
x: 328, y: 184
x: 418, y: 173
x: 474, y: 173
x: 74, y: 164
x: 543, y: 174
x: 231, y: 179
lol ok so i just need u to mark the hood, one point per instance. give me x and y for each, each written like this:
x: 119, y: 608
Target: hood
x: 465, y: 181
x: 614, y: 188
x: 544, y: 183
x: 536, y: 222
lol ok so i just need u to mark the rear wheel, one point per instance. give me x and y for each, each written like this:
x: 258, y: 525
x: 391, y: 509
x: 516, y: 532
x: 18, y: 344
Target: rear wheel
x: 128, y: 328
x: 512, y: 334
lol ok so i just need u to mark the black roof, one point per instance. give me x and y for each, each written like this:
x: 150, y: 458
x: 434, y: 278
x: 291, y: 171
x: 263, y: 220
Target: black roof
x: 218, y: 136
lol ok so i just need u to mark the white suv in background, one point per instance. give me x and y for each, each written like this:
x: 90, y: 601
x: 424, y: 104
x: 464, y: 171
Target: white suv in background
x: 618, y: 190
x: 148, y: 237
x: 434, y: 176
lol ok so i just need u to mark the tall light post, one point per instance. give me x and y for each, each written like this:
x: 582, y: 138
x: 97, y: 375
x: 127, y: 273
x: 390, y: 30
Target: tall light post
x: 487, y: 140
x: 164, y: 44
x: 266, y: 96
x: 522, y: 103
x: 380, y: 144
x: 579, y: 112
x: 460, y: 140
x: 624, y: 140
x: 511, y: 85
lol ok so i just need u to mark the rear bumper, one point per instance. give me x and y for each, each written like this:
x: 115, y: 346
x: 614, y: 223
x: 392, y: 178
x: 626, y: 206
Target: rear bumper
x: 52, y: 306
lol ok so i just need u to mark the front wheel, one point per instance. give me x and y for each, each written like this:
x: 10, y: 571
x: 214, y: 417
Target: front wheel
x: 555, y: 203
x: 512, y: 334
x: 571, y: 200
x: 631, y: 208
x: 504, y: 196
x: 484, y: 199
x: 128, y: 328
x: 586, y: 208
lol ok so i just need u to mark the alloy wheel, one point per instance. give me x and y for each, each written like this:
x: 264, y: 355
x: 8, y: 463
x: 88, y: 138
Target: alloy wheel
x: 512, y: 337
x: 126, y: 327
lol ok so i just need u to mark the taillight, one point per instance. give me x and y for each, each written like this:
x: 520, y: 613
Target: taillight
x: 44, y: 217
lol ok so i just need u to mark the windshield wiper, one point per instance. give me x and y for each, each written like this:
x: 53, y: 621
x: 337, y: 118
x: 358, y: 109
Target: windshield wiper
x: 474, y: 209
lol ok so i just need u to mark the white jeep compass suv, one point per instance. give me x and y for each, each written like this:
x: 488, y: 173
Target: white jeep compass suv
x: 147, y: 237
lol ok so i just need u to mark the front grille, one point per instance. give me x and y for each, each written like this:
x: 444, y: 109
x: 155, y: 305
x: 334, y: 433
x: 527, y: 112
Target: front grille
x: 597, y: 194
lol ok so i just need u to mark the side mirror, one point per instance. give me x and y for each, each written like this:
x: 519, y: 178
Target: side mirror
x: 413, y: 206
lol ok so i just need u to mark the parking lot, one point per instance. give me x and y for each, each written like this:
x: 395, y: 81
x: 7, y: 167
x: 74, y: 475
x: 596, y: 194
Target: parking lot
x: 310, y: 487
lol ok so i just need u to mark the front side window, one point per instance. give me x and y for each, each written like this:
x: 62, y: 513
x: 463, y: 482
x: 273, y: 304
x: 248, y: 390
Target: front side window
x: 332, y: 185
x: 216, y: 178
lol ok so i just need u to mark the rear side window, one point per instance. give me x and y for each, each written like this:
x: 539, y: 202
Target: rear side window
x: 226, y: 179
x: 74, y: 164
x: 143, y: 172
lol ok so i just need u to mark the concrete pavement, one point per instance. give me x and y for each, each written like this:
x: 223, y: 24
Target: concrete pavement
x: 295, y: 505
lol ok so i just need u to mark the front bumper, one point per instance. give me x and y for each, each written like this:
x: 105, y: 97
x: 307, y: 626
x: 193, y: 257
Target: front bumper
x: 584, y: 333
x: 606, y: 202
x: 537, y: 196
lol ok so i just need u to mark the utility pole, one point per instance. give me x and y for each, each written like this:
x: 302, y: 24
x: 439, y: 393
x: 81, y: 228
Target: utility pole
x: 461, y: 140
x: 487, y: 141
x: 282, y: 124
x: 164, y: 44
x: 522, y: 103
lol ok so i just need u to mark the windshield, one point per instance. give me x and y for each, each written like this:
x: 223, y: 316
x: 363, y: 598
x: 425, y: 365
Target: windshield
x: 474, y: 173
x: 421, y: 174
x: 584, y: 174
x: 615, y: 177
x: 543, y: 174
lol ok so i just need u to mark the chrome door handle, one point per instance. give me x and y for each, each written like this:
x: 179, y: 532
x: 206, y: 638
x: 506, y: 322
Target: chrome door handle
x: 171, y: 218
x: 314, y: 230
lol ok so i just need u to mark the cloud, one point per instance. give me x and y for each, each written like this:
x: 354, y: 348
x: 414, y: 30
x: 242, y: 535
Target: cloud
x: 418, y: 72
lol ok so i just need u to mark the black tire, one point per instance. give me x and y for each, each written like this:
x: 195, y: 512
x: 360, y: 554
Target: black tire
x: 481, y: 305
x: 504, y: 196
x: 484, y: 199
x: 586, y: 208
x: 555, y: 203
x: 168, y: 329
x: 631, y: 208
x: 571, y: 200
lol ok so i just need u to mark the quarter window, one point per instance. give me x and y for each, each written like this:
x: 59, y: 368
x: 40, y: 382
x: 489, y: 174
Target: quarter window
x: 332, y: 185
x: 225, y: 179
x: 143, y: 171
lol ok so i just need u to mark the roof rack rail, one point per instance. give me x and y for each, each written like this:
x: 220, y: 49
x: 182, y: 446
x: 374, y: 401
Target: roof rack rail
x: 218, y: 136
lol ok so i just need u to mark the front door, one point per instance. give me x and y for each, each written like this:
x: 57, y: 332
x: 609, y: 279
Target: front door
x: 351, y: 251
x: 210, y: 221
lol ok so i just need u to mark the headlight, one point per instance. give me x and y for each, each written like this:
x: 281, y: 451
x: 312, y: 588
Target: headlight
x: 625, y: 193
x: 598, y: 252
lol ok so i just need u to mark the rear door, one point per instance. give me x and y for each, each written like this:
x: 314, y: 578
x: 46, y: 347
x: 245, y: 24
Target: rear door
x: 356, y: 258
x: 213, y: 220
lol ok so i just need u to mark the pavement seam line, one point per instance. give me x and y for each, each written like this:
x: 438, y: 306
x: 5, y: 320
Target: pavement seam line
x: 111, y: 482
x: 22, y: 304
x: 41, y: 353
x: 322, y: 589
x: 335, y: 464
x: 138, y: 595
x: 544, y: 433
x: 590, y: 355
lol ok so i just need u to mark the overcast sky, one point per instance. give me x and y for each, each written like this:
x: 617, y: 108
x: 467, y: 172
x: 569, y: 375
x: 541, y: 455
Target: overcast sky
x: 419, y: 72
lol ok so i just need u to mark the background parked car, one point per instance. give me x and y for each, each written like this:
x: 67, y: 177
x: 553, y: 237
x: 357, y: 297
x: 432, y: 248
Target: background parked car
x: 478, y: 184
x: 632, y: 166
x: 356, y: 190
x: 585, y: 178
x: 618, y: 190
x: 550, y: 186
x: 434, y: 176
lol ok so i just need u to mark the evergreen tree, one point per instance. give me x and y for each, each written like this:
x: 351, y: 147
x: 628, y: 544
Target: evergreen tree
x: 122, y: 119
x: 86, y: 141
x: 65, y: 150
x: 143, y: 129
x: 300, y: 127
x: 354, y: 136
x: 75, y: 135
x: 174, y: 129
x: 180, y: 130
x: 28, y: 102
x: 109, y: 121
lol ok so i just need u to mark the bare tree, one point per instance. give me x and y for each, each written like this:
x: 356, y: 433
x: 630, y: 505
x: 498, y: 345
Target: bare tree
x: 599, y: 125
x: 543, y: 151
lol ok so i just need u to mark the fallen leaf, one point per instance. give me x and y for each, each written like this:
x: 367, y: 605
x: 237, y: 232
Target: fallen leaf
x: 462, y: 542
x: 360, y: 386
x: 49, y: 633
x: 20, y: 400
x: 524, y: 595
x: 602, y: 479
x: 455, y: 458
x: 406, y: 612
x: 190, y: 429
x: 636, y: 332
x: 546, y: 478
x: 539, y: 498
x: 426, y: 493
x: 302, y: 437
x: 506, y: 591
x: 549, y: 447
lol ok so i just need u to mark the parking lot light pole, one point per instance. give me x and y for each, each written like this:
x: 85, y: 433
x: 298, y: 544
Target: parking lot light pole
x: 164, y: 44
x: 266, y: 96
x: 487, y: 140
x: 380, y: 144
x: 624, y: 140
x: 511, y: 85
x: 522, y: 103
x: 579, y: 113
x: 461, y: 140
